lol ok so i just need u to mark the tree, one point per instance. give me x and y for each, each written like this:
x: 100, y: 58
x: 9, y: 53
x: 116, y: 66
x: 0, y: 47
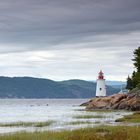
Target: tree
x: 129, y: 83
x: 137, y: 59
x: 134, y: 80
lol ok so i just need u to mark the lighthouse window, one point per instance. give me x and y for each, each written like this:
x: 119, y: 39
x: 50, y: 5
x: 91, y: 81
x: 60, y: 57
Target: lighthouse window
x: 100, y: 88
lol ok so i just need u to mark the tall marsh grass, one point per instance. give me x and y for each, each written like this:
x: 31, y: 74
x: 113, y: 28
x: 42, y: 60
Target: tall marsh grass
x: 99, y: 133
x: 134, y: 118
x: 27, y: 124
x: 88, y: 116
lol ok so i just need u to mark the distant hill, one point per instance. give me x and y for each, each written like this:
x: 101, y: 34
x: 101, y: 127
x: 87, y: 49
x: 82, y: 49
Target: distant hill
x: 111, y: 83
x: 116, y: 84
x: 28, y: 87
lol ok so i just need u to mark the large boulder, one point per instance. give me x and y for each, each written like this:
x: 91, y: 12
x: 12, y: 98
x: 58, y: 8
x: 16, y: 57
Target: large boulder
x: 129, y: 101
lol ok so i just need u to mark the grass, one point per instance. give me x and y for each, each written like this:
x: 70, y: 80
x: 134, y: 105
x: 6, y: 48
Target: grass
x: 78, y: 122
x: 88, y: 116
x: 134, y: 118
x: 27, y: 124
x: 99, y: 133
x: 97, y: 110
x: 100, y: 110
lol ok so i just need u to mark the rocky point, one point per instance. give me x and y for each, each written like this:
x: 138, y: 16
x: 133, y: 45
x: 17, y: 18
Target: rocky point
x: 118, y: 101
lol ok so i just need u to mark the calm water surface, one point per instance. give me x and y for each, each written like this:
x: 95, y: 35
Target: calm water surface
x: 61, y: 111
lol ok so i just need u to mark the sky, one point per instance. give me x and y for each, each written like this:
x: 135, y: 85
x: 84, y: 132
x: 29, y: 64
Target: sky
x: 68, y: 39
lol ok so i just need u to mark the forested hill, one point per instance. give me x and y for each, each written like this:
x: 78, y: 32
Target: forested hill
x: 28, y: 87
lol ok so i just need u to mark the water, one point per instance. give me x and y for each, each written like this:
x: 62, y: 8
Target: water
x: 61, y: 111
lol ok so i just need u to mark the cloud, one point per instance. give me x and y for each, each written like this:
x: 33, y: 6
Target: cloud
x: 55, y: 22
x: 64, y: 39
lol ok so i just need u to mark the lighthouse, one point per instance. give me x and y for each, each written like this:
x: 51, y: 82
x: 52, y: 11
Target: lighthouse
x: 100, y: 88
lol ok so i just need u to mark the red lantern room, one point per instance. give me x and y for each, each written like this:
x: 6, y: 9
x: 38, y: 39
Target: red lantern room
x: 101, y: 75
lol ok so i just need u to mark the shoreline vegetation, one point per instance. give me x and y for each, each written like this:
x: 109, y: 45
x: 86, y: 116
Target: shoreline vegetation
x: 27, y: 124
x: 97, y: 110
x: 99, y: 133
x: 134, y: 118
x: 88, y: 116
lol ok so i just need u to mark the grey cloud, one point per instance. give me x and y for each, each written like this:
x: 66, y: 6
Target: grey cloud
x: 83, y: 35
x: 44, y: 23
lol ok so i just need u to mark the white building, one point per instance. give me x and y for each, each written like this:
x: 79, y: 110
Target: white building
x: 101, y: 87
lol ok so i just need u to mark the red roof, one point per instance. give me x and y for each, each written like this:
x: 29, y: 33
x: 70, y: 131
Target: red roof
x: 101, y: 75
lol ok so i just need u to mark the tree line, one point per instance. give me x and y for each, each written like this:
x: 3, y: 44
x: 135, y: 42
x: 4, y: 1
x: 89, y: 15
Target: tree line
x: 133, y: 81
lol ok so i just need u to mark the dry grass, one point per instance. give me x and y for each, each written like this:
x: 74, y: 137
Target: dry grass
x: 100, y: 133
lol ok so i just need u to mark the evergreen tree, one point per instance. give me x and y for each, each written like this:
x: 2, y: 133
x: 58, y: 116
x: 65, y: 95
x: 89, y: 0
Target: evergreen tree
x: 129, y: 83
x: 137, y: 78
x: 137, y: 59
x: 134, y: 80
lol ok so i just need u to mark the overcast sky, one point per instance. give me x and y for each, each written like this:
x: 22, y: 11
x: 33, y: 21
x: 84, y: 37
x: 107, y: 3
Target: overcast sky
x: 68, y: 39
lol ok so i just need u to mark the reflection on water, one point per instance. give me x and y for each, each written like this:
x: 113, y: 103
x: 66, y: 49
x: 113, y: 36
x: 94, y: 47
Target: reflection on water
x: 61, y: 111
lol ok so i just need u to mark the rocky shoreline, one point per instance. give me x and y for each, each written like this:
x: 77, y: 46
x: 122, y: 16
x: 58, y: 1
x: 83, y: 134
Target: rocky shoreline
x: 118, y: 101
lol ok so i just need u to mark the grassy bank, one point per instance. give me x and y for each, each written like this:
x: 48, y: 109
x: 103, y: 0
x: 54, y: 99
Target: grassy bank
x: 100, y: 133
x: 97, y: 110
x: 134, y: 118
x: 78, y: 122
x: 26, y: 124
x: 88, y: 116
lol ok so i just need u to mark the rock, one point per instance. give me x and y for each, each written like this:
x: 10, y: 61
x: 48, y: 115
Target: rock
x: 129, y: 101
x: 86, y: 103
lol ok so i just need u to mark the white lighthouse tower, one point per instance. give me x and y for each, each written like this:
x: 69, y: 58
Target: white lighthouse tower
x: 100, y: 88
